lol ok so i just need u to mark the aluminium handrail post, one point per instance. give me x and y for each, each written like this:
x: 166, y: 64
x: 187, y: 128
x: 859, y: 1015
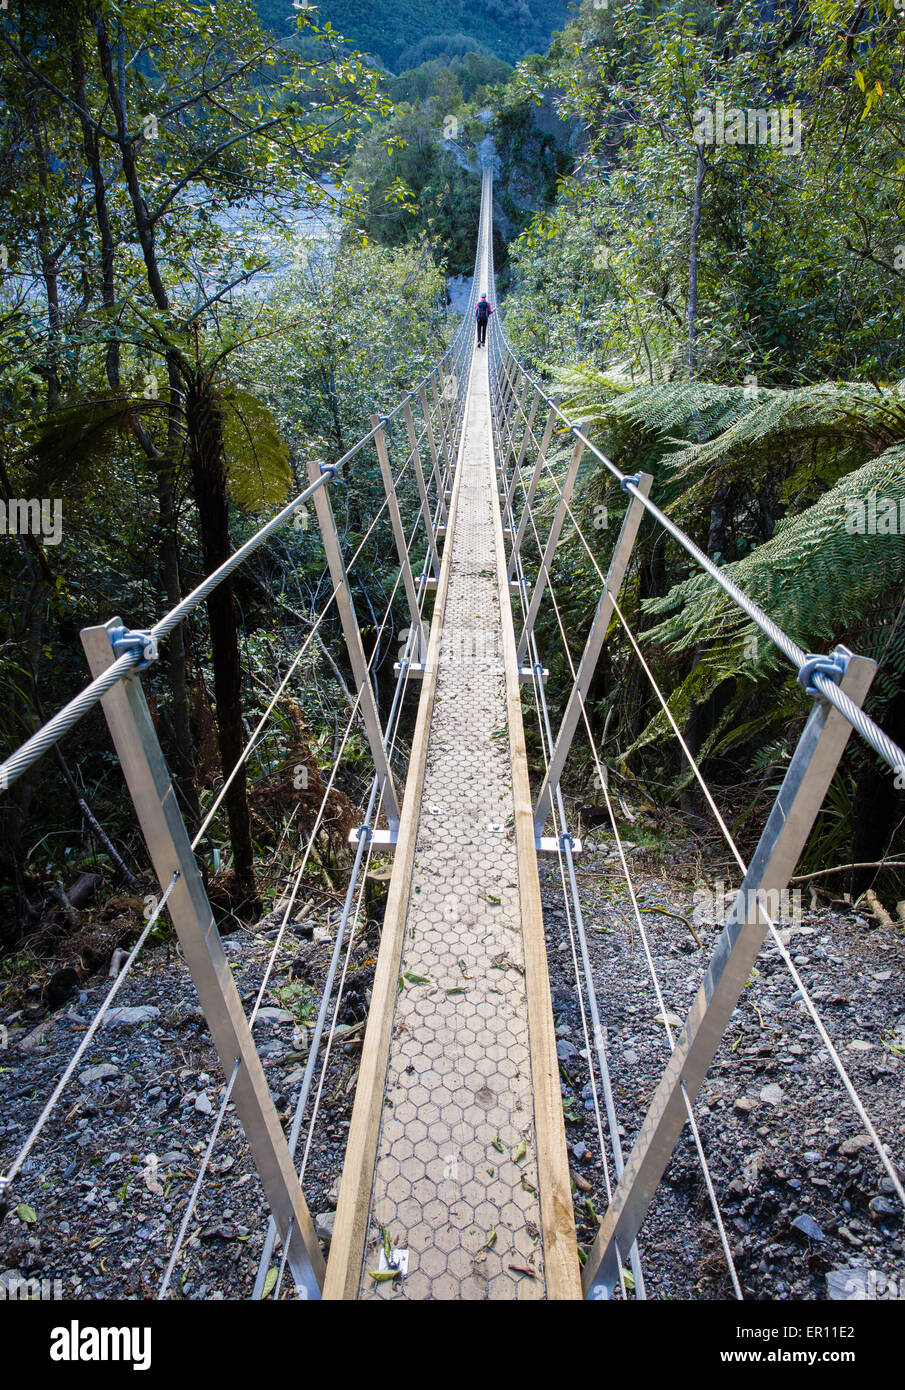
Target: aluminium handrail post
x: 593, y: 647
x: 510, y: 394
x: 521, y: 395
x: 449, y: 394
x: 504, y: 432
x: 785, y: 834
x: 559, y: 517
x: 363, y: 687
x: 529, y: 433
x: 436, y: 476
x: 507, y: 398
x: 529, y: 496
x: 518, y: 399
x: 422, y: 489
x: 445, y: 442
x: 151, y: 790
x: 408, y: 579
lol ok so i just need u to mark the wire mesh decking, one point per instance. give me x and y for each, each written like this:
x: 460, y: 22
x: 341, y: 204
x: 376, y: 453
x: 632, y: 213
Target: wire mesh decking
x: 455, y: 1182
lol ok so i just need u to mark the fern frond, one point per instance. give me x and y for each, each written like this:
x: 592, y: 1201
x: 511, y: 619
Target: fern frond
x: 818, y: 577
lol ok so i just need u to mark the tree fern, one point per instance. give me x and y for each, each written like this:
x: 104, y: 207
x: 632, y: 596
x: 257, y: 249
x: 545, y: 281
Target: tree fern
x: 817, y: 577
x: 807, y: 437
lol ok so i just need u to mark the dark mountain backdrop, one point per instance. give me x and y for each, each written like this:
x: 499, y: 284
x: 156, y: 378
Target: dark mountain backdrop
x: 405, y: 33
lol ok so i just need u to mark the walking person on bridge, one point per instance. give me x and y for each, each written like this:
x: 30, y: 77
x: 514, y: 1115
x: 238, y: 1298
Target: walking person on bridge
x: 482, y: 314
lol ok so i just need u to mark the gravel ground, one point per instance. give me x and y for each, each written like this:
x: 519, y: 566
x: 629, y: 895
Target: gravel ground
x: 801, y: 1190
x: 101, y: 1198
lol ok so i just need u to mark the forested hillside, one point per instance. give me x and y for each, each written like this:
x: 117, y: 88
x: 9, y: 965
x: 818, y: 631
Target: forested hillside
x: 723, y: 302
x: 404, y: 33
x: 470, y: 873
x: 191, y: 311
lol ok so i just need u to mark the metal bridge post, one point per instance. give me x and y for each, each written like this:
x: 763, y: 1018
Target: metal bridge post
x: 790, y: 821
x: 519, y: 396
x: 436, y: 472
x: 151, y: 790
x: 520, y: 459
x: 352, y: 635
x: 444, y: 438
x: 422, y: 490
x: 593, y: 647
x: 418, y: 645
x: 529, y: 496
x: 559, y: 517
x: 508, y: 403
x: 450, y: 393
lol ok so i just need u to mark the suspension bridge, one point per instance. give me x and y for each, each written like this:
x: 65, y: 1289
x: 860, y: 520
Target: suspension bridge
x: 455, y: 1181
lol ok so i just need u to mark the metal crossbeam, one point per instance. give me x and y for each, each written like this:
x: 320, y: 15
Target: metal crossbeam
x: 593, y: 647
x: 151, y: 790
x: 789, y: 824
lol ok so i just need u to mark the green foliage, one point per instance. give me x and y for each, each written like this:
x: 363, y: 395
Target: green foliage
x: 471, y: 72
x: 818, y: 577
x: 416, y: 185
x: 405, y: 33
x: 799, y: 256
x: 257, y: 457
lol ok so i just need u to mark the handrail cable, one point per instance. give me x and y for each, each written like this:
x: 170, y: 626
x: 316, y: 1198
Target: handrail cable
x: 787, y: 959
x: 598, y: 1039
x: 16, y: 1166
x: 402, y: 680
x: 697, y: 1137
x: 825, y: 685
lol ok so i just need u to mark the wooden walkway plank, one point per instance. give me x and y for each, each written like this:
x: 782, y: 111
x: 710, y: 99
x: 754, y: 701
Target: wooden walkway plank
x: 456, y: 1149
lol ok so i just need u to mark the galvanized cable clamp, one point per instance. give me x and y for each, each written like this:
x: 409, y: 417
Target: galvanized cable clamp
x: 630, y: 480
x: 365, y: 833
x: 124, y: 639
x: 330, y: 468
x: 833, y: 666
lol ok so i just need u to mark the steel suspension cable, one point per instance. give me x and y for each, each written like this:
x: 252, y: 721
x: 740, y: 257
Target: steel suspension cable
x: 866, y: 727
x: 270, y: 963
x: 698, y: 1142
x: 799, y: 983
x: 578, y: 927
x: 705, y: 1169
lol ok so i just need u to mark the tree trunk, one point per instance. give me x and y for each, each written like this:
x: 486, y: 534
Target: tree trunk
x: 101, y: 210
x: 205, y: 426
x: 693, y: 264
